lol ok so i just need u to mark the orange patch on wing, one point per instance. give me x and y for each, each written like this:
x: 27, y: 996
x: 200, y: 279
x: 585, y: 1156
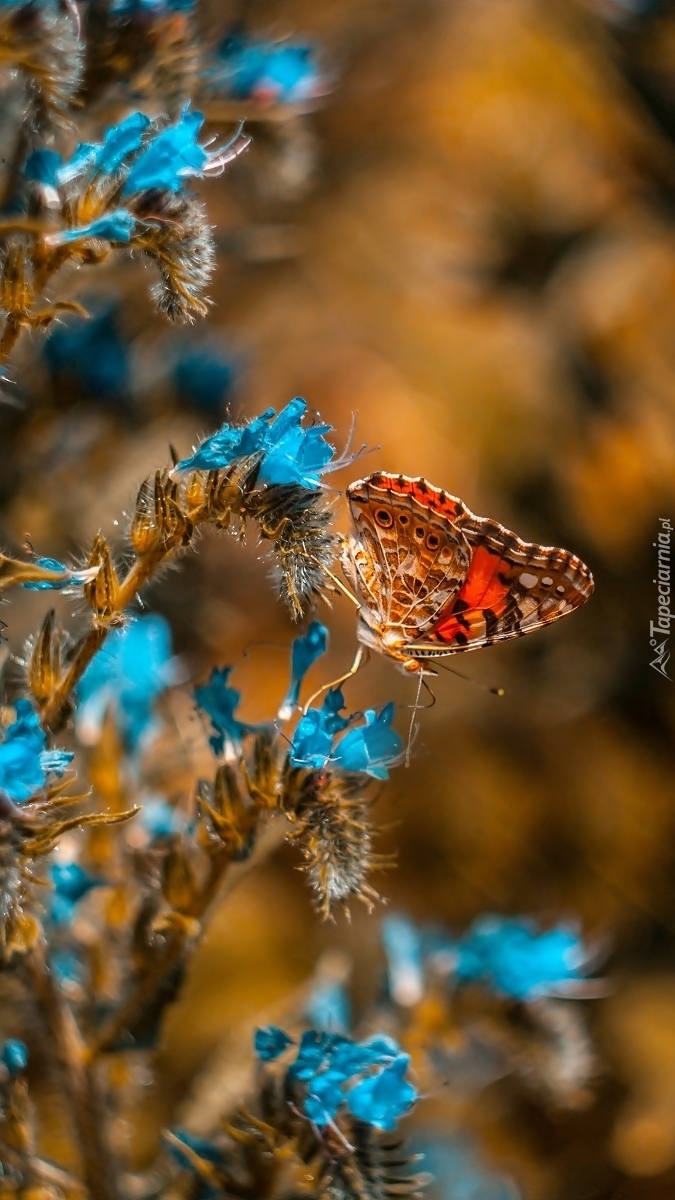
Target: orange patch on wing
x: 482, y: 587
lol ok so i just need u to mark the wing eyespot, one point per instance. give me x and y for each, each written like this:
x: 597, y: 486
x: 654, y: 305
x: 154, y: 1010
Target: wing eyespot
x: 403, y: 519
x: 419, y: 533
x: 384, y: 518
x: 433, y: 541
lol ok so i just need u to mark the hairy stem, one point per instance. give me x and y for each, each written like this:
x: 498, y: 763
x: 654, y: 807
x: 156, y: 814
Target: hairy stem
x: 53, y: 710
x: 178, y: 944
x: 80, y: 1087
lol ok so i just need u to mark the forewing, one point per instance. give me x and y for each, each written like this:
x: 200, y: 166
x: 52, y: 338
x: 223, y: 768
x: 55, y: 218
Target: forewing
x: 410, y: 556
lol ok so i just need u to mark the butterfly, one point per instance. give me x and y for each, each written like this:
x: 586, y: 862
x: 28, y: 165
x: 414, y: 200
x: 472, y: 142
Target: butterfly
x: 432, y: 579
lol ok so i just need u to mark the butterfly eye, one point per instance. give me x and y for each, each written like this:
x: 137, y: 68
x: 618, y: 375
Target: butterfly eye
x: 384, y: 518
x: 433, y: 541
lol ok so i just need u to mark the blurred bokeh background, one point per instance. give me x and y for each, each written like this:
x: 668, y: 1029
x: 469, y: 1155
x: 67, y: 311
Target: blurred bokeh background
x: 465, y: 243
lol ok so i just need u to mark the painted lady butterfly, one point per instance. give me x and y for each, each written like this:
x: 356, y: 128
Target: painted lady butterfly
x: 433, y: 579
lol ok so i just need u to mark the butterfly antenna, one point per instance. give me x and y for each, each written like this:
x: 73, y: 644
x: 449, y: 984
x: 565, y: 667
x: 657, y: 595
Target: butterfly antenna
x: 494, y: 691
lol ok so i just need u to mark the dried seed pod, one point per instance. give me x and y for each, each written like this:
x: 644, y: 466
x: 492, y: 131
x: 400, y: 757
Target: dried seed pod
x: 103, y: 593
x: 180, y: 887
x: 44, y: 668
x: 233, y: 820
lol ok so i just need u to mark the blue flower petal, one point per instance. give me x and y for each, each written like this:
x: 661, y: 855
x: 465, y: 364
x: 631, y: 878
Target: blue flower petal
x: 49, y: 585
x: 128, y: 674
x: 220, y: 701
x: 381, y: 1100
x: 72, y: 881
x: 43, y: 166
x: 84, y: 157
x: 313, y: 738
x: 324, y: 1097
x: 305, y: 651
x: 120, y: 141
x: 514, y: 958
x: 14, y: 1056
x: 371, y: 748
x: 271, y: 1042
x: 116, y: 226
x: 403, y: 948
x: 169, y: 158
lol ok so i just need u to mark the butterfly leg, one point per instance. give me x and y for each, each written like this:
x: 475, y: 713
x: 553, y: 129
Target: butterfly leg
x: 360, y: 659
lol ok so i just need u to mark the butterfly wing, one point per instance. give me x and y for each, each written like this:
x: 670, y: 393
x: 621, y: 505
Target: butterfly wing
x: 450, y: 581
x: 409, y: 559
x: 511, y: 588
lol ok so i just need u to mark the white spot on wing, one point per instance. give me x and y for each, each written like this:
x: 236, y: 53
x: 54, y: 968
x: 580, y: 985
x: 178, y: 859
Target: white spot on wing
x: 526, y: 580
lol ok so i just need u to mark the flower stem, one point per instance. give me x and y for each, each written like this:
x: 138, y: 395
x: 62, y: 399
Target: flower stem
x: 85, y: 1102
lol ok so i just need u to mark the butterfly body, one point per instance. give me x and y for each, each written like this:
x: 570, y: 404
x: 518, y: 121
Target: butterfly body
x: 434, y: 579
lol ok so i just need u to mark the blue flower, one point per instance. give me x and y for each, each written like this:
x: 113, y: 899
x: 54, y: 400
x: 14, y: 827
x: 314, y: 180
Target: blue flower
x: 324, y: 1096
x: 313, y: 738
x: 290, y: 452
x: 24, y: 761
x: 42, y: 167
x: 120, y: 142
x: 514, y: 958
x: 14, y: 1056
x: 170, y: 157
x: 220, y: 701
x: 311, y: 1055
x: 71, y: 884
x: 204, y: 378
x: 83, y: 157
x: 67, y: 967
x: 270, y: 1042
x: 56, y: 585
x: 459, y: 1173
x: 328, y: 1007
x: 371, y: 748
x: 160, y: 819
x: 47, y: 585
x: 381, y: 1100
x: 93, y: 353
x: 116, y: 226
x: 305, y: 651
x: 403, y: 948
x: 266, y: 71
x: 128, y: 674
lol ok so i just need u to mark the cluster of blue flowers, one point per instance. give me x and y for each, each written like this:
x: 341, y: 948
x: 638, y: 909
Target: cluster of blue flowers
x: 127, y: 675
x: 291, y: 452
x: 367, y: 1079
x: 511, y: 956
x: 25, y: 762
x: 370, y: 749
x: 323, y: 738
x: 136, y: 151
x: 265, y: 72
